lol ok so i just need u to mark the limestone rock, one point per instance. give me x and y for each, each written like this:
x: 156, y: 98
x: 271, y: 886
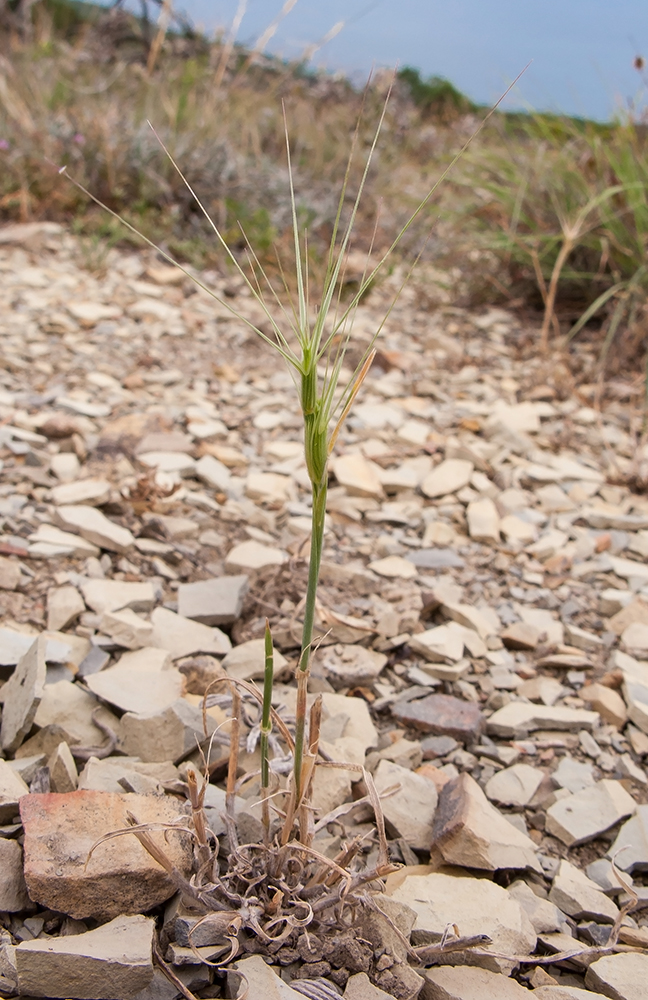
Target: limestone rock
x: 94, y: 526
x: 514, y: 786
x: 349, y: 665
x: 13, y: 891
x: 483, y: 521
x: 12, y: 788
x: 126, y: 628
x: 69, y: 707
x: 394, y: 567
x: 409, y: 812
x: 520, y: 635
x: 360, y: 987
x: 64, y: 604
x: 114, y: 595
x: 50, y: 542
x: 359, y: 476
x: 517, y: 719
x: 469, y: 831
x: 250, y: 557
x: 442, y: 644
x: 120, y: 877
x: 622, y: 977
x: 448, y: 477
x: 476, y: 906
x: 589, y: 813
x: 170, y: 734
x: 633, y: 836
x: 62, y: 770
x: 22, y: 695
x: 112, y: 962
x: 574, y: 775
x: 93, y: 492
x: 184, y: 637
x: 607, y: 702
x: 119, y: 774
x: 213, y: 602
x: 566, y: 993
x: 260, y: 981
x: 467, y: 983
x: 246, y: 662
x: 9, y: 574
x: 143, y: 681
x: 579, y: 897
x: 544, y: 915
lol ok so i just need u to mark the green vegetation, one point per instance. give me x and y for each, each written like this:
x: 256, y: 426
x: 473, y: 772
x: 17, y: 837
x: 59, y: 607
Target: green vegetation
x: 436, y: 96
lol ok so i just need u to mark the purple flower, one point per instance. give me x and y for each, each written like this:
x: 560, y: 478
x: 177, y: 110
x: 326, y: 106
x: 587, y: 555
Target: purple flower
x: 78, y: 138
x: 4, y: 144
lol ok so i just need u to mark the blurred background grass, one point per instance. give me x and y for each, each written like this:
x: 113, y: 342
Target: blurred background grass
x: 546, y: 214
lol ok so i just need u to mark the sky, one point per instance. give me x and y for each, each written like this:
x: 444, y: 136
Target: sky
x: 582, y: 51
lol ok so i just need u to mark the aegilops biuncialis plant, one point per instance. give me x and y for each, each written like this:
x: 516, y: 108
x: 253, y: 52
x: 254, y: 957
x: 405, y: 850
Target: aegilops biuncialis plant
x: 313, y: 342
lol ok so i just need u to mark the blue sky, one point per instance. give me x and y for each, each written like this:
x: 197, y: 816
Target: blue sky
x: 582, y: 50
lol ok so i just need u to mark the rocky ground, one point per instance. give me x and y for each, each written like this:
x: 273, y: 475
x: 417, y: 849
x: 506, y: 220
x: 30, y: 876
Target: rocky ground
x: 484, y: 624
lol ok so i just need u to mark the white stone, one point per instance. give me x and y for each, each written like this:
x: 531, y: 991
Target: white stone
x: 483, y: 521
x: 248, y: 557
x: 64, y: 604
x: 467, y: 983
x: 168, y: 461
x: 409, y: 811
x: 62, y: 770
x: 635, y: 637
x: 514, y: 786
x: 183, y: 637
x: 620, y: 976
x: 394, y: 567
x: 589, y: 813
x: 170, y: 734
x: 22, y: 695
x: 126, y: 628
x: 545, y: 916
x: 142, y: 682
x: 575, y: 894
x: 269, y: 487
x: 13, y: 891
x: 69, y: 706
x: 475, y: 906
x: 442, y: 644
x: 213, y: 473
x: 448, y: 477
x: 246, y: 661
x: 65, y: 466
x: 261, y: 982
x: 51, y: 542
x: 12, y: 788
x: 359, y: 476
x: 217, y: 601
x: 517, y: 719
x: 94, y: 526
x: 90, y: 313
x: 93, y: 492
x: 114, y: 595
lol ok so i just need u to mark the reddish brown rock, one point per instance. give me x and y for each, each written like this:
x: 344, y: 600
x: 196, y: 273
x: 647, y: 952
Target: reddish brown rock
x: 442, y: 715
x: 120, y: 877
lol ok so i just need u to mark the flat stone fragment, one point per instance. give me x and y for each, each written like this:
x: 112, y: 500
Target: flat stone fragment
x: 475, y: 905
x: 469, y: 831
x: 467, y: 983
x: 607, y: 702
x: 167, y: 735
x: 250, y: 557
x: 441, y: 715
x: 269, y: 487
x: 394, y: 567
x: 442, y: 644
x: 64, y: 605
x: 436, y: 558
x: 409, y: 812
x: 261, y: 981
x: 143, y: 682
x: 566, y: 993
x: 62, y: 770
x: 121, y: 876
x: 71, y: 708
x: 517, y: 719
x: 113, y: 774
x: 183, y: 637
x: 574, y: 775
x: 544, y: 916
x: 246, y: 662
x: 9, y: 574
x: 348, y: 665
x: 13, y: 891
x: 633, y: 836
x: 114, y: 595
x: 94, y: 526
x: 359, y: 476
x: 50, y: 542
x: 483, y: 521
x: 622, y: 977
x: 514, y: 786
x: 12, y: 788
x: 634, y: 638
x: 112, y: 962
x: 22, y: 695
x: 126, y: 628
x: 575, y: 894
x: 360, y: 987
x: 520, y: 635
x: 589, y: 813
x: 218, y: 601
x: 447, y: 477
x: 93, y: 492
